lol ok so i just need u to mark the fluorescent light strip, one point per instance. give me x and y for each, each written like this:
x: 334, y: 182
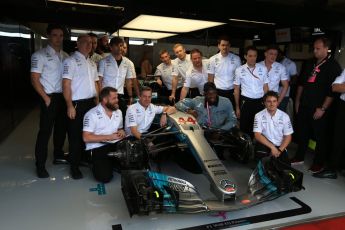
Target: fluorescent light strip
x: 136, y: 42
x: 169, y: 24
x: 14, y: 35
x: 249, y: 21
x: 76, y: 31
x: 141, y: 34
x: 88, y: 4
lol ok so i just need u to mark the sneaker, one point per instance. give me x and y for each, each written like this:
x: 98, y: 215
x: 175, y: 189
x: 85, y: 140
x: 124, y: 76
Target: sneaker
x: 59, y: 161
x: 315, y: 168
x: 42, y: 172
x: 296, y: 161
x: 76, y: 173
x: 326, y: 173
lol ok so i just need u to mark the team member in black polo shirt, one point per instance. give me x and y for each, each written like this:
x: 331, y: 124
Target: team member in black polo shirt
x: 46, y: 78
x: 79, y: 89
x: 313, y: 101
x: 335, y: 159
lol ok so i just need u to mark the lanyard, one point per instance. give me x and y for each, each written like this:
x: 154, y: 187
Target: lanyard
x: 316, y: 70
x: 208, y: 114
x: 252, y: 72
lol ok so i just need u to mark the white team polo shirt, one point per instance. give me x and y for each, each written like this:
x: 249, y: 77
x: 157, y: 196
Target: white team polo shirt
x: 134, y: 74
x: 114, y: 75
x: 196, y: 79
x: 165, y: 71
x: 340, y: 80
x: 83, y: 74
x: 96, y: 121
x: 95, y: 57
x: 273, y: 128
x: 251, y: 80
x: 49, y: 64
x: 276, y: 74
x: 291, y: 70
x: 223, y: 69
x: 180, y: 67
x: 137, y: 115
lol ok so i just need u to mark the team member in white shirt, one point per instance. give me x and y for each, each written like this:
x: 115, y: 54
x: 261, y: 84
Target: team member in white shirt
x: 164, y: 71
x: 196, y: 76
x: 46, y: 78
x: 93, y: 55
x: 277, y: 73
x: 221, y: 69
x: 135, y: 82
x: 103, y: 127
x: 180, y: 66
x: 272, y: 128
x: 140, y: 115
x: 291, y: 70
x: 251, y: 80
x: 80, y: 89
x: 116, y: 71
x: 103, y: 45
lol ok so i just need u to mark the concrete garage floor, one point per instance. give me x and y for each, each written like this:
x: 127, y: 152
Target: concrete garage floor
x: 60, y: 202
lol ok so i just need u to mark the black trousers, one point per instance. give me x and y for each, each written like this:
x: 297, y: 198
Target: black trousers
x: 102, y: 164
x: 193, y: 92
x: 308, y: 128
x: 283, y: 104
x: 167, y: 93
x: 53, y: 116
x: 263, y: 151
x: 75, y: 130
x: 338, y: 138
x: 249, y: 107
x: 123, y: 105
x: 228, y: 94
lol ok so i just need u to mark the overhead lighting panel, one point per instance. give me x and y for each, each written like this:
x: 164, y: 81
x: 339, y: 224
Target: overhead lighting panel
x: 249, y: 21
x: 142, y: 34
x: 169, y: 24
x: 87, y: 4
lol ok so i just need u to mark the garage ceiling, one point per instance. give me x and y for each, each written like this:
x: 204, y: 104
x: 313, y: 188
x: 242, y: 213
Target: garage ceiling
x: 291, y: 13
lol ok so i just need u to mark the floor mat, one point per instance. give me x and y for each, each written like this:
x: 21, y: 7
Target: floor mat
x: 327, y: 224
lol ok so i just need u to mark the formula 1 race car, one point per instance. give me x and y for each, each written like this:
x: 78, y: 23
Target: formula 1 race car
x: 147, y: 191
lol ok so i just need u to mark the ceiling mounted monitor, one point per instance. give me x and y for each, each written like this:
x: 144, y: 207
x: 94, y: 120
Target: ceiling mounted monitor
x: 142, y: 34
x: 169, y: 24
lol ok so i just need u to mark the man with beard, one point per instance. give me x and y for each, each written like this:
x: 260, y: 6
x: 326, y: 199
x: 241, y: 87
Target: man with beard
x: 211, y: 110
x: 103, y: 128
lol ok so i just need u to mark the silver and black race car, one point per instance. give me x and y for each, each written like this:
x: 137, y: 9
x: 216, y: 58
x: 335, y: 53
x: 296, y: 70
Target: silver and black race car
x: 146, y: 190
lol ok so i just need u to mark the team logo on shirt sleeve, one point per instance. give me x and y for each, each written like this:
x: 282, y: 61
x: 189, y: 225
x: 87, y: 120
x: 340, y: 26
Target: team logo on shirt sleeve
x: 66, y: 69
x: 131, y: 118
x: 34, y: 62
x: 86, y: 121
